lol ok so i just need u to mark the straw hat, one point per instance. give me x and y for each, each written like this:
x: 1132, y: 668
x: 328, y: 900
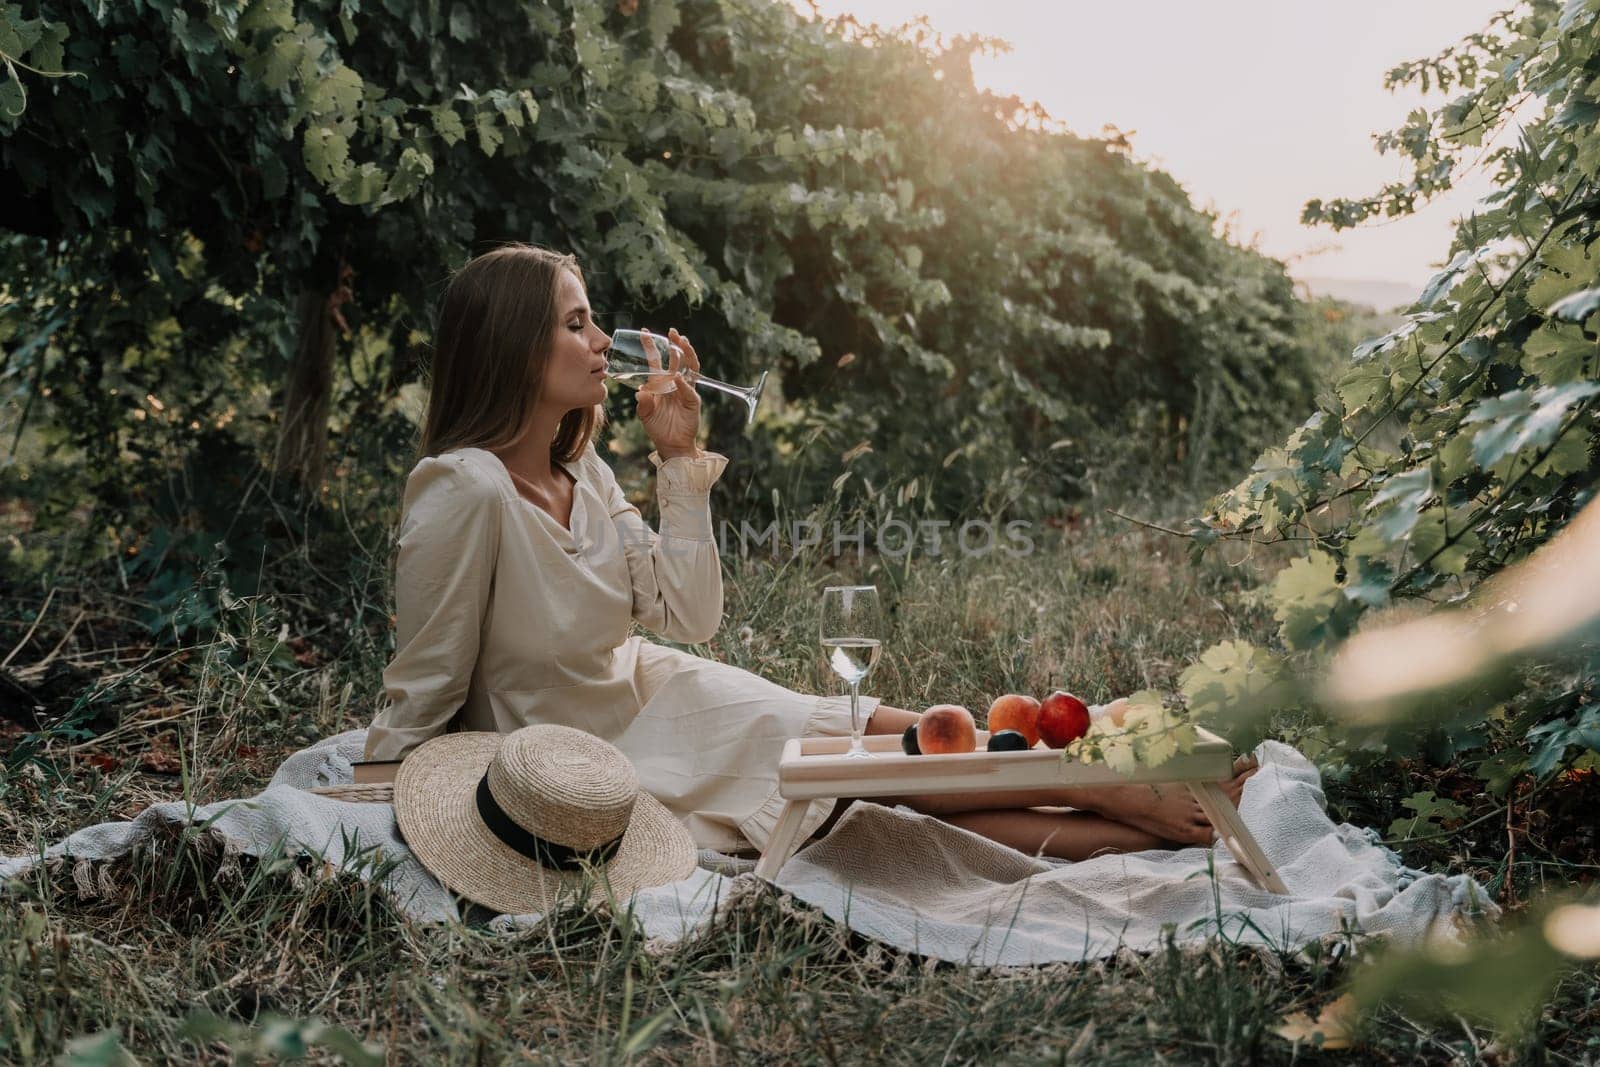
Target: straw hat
x: 512, y: 820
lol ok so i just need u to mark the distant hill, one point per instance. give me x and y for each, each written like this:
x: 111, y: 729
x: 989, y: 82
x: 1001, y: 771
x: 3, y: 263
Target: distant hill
x: 1380, y: 296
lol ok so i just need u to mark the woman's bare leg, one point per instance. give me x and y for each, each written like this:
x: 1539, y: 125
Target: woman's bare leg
x: 1156, y: 814
x: 1063, y: 835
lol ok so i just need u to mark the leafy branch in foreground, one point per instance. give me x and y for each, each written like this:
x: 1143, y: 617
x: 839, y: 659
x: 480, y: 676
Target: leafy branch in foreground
x: 1455, y: 466
x: 1394, y: 674
x: 1459, y: 443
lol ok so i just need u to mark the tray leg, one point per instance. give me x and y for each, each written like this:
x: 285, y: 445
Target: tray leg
x: 785, y: 836
x: 1231, y: 828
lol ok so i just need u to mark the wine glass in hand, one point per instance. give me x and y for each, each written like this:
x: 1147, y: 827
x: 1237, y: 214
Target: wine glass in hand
x: 852, y: 630
x: 634, y: 360
x: 668, y: 409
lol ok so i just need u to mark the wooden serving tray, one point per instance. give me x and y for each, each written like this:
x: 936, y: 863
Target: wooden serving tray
x: 814, y: 768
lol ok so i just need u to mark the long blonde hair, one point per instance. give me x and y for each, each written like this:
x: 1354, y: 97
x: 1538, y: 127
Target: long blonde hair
x: 497, y: 321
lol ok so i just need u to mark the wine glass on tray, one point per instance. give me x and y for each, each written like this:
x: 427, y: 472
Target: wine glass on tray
x: 852, y: 630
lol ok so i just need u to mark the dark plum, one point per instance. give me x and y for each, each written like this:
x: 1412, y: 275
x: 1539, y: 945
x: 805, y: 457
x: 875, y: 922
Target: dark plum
x: 1008, y: 741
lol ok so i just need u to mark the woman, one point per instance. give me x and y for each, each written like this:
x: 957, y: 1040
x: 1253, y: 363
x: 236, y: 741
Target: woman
x: 522, y: 565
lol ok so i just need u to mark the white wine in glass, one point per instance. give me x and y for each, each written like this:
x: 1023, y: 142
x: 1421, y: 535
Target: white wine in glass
x: 853, y: 659
x: 852, y: 630
x: 634, y: 360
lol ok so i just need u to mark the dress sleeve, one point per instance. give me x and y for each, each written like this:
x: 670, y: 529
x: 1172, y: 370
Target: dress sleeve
x: 676, y: 574
x: 449, y: 538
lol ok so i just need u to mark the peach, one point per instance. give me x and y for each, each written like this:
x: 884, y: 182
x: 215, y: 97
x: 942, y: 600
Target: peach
x: 1116, y: 711
x: 1016, y: 712
x: 946, y: 728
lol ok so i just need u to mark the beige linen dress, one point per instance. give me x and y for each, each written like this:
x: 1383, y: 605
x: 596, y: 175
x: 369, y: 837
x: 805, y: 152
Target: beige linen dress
x: 506, y: 618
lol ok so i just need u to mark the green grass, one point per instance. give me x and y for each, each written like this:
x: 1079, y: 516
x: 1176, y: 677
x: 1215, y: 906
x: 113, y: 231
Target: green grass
x: 193, y: 956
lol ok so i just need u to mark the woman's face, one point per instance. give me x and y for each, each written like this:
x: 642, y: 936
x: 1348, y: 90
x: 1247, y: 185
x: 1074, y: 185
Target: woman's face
x: 575, y: 375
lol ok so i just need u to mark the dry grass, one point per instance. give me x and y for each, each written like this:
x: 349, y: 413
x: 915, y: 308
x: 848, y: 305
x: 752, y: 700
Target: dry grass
x: 195, y: 956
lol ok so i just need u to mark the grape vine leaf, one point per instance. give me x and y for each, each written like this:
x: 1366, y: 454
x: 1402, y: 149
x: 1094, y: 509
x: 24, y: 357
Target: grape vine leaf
x: 1429, y: 812
x: 1576, y: 307
x: 1523, y: 419
x: 1234, y: 679
x: 1400, y: 502
x: 13, y: 97
x: 1310, y: 603
x: 1554, y: 738
x: 1560, y: 353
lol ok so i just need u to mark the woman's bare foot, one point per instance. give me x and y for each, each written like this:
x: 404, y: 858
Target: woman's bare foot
x: 1171, y: 811
x: 1168, y: 811
x: 1243, y: 768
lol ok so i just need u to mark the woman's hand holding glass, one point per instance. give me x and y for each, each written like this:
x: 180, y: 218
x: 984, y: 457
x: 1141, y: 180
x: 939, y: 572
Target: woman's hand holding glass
x: 669, y: 407
x: 634, y: 360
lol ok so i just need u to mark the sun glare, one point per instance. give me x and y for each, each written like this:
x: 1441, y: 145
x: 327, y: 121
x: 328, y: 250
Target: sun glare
x: 1255, y: 106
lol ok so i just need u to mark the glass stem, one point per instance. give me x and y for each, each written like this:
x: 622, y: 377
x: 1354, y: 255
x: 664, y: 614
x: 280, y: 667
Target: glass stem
x: 722, y: 387
x: 855, y: 715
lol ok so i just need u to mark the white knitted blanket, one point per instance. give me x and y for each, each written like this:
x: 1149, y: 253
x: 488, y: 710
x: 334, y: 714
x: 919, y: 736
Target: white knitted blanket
x: 901, y: 877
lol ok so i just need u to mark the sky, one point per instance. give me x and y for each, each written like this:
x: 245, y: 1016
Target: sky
x: 1255, y: 106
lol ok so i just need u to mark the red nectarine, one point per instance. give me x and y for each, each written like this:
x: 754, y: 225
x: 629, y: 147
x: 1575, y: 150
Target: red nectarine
x: 1063, y: 718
